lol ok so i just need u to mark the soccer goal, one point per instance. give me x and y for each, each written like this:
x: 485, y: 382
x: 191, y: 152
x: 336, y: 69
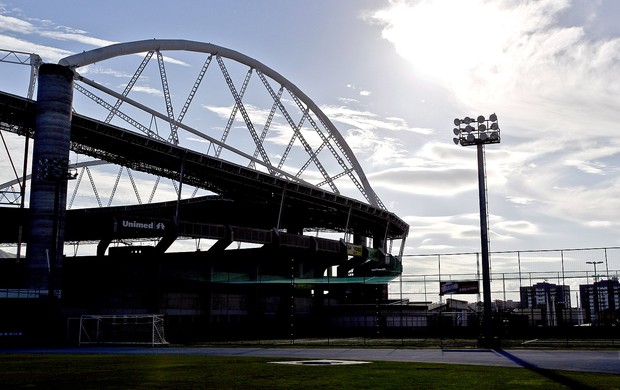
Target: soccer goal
x: 144, y: 329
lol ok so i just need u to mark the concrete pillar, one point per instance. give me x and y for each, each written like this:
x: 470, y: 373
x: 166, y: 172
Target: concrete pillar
x: 378, y: 240
x: 48, y: 191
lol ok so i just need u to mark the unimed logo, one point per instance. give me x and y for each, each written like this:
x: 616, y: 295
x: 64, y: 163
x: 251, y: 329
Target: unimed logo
x: 143, y: 225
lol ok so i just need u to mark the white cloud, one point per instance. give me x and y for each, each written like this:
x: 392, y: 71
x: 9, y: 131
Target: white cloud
x: 378, y: 151
x: 520, y: 200
x: 75, y: 36
x: 11, y: 24
x: 148, y: 90
x: 554, y: 88
x: 47, y: 53
x: 520, y: 227
x: 585, y: 166
x: 366, y: 120
x: 433, y: 248
x: 529, y: 62
x: 48, y: 29
x: 442, y: 229
x: 597, y: 224
x: 258, y: 115
x: 435, y: 182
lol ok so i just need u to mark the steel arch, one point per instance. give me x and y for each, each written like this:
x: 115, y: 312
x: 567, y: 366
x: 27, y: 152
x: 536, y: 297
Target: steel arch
x: 303, y: 102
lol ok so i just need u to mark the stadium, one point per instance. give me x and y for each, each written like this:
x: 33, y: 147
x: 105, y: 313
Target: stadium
x: 294, y: 250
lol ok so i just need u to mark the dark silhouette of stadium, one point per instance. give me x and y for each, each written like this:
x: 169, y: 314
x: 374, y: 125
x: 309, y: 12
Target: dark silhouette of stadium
x: 285, y: 284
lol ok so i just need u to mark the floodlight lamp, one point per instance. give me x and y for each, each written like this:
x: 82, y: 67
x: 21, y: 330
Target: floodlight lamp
x: 480, y: 119
x: 494, y: 136
x: 456, y: 131
x: 482, y: 127
x: 469, y: 128
x: 483, y: 136
x: 467, y: 120
x: 457, y: 122
x: 494, y: 126
x: 470, y: 137
x: 493, y: 118
x: 456, y: 141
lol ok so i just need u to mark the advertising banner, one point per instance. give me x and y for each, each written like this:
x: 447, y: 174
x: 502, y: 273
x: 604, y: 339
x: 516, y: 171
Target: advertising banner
x: 459, y: 287
x: 354, y: 250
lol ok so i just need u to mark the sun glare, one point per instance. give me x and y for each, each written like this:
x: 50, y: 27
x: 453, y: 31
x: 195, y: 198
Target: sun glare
x: 445, y: 39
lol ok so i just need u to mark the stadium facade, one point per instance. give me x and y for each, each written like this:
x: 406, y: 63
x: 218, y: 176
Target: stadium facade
x: 286, y: 284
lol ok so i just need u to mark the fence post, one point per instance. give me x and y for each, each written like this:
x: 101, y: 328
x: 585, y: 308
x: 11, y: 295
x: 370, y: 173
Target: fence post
x: 439, y: 277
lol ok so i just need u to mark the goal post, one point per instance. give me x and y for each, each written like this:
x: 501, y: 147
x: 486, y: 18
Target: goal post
x: 142, y: 329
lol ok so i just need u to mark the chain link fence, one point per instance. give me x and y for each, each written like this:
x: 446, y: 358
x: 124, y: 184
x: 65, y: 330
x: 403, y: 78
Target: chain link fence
x: 510, y: 272
x: 203, y: 303
x: 331, y: 310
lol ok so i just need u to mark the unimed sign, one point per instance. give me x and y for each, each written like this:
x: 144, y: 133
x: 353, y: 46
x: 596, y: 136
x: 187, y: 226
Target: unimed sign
x: 459, y: 287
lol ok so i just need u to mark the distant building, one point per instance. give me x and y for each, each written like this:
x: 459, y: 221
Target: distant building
x: 450, y: 305
x: 453, y: 312
x: 545, y: 295
x: 551, y: 300
x: 509, y: 305
x: 601, y: 301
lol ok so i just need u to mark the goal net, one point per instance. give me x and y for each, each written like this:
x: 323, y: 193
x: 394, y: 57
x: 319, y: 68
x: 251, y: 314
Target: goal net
x: 145, y: 329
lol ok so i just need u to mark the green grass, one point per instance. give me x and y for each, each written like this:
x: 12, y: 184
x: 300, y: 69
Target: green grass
x: 206, y: 372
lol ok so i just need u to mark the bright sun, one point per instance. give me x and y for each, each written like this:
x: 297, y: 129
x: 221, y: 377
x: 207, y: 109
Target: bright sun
x: 444, y: 39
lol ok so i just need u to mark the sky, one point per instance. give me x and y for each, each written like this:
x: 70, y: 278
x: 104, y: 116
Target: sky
x: 393, y: 75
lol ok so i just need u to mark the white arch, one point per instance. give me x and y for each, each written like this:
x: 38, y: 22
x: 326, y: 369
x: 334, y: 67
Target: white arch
x: 127, y: 48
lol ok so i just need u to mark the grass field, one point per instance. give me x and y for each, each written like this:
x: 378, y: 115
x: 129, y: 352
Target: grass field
x: 206, y: 372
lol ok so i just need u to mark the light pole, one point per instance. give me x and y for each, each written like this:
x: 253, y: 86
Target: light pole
x: 594, y: 263
x: 481, y: 131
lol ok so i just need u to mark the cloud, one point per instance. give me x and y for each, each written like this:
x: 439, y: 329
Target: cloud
x: 148, y: 90
x: 377, y: 150
x: 520, y: 200
x: 36, y: 28
x: 367, y: 133
x: 553, y: 85
x: 428, y: 246
x: 48, y: 29
x: 75, y: 36
x: 463, y: 226
x: 529, y: 63
x: 47, y: 53
x: 366, y: 120
x: 15, y: 25
x: 429, y: 234
x: 520, y: 227
x: 364, y: 137
x: 597, y: 224
x: 279, y: 133
x: 585, y: 166
x: 435, y: 182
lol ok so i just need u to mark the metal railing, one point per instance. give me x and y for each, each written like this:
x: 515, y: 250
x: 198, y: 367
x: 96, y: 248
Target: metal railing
x: 510, y: 272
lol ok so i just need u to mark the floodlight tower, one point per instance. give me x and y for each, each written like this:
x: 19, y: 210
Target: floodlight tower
x: 479, y: 132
